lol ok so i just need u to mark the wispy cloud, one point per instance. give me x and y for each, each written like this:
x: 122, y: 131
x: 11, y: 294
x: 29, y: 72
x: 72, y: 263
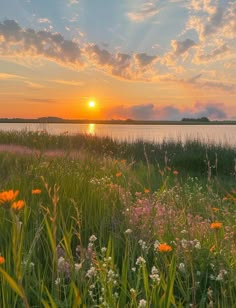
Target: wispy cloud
x: 147, y: 10
x: 69, y: 82
x: 34, y: 85
x: 5, y: 76
x: 40, y: 100
x: 44, y: 21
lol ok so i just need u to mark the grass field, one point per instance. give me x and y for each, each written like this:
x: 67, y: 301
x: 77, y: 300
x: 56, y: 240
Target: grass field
x: 117, y: 225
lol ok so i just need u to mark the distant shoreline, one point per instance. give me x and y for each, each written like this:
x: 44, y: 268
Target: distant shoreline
x: 116, y: 122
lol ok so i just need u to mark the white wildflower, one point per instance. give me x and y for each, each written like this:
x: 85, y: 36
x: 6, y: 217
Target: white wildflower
x: 57, y: 281
x: 92, y: 238
x: 142, y: 303
x: 78, y: 266
x: 128, y: 231
x: 140, y: 261
x: 91, y: 272
x: 103, y: 250
x: 155, y: 275
x: 182, y: 267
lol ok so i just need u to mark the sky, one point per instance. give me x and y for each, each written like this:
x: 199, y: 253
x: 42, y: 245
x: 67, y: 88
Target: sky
x: 136, y: 59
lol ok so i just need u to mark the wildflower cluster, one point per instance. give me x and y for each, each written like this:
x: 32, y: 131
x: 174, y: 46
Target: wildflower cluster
x: 7, y: 200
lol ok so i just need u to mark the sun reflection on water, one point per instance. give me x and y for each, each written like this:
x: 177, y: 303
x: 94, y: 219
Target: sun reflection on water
x: 91, y: 129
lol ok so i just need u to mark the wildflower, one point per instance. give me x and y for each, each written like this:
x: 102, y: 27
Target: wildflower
x: 128, y: 231
x: 175, y: 172
x: 36, y: 191
x: 118, y: 174
x: 216, y: 225
x: 142, y: 303
x: 17, y: 205
x: 197, y: 244
x: 2, y: 260
x: 221, y: 275
x: 91, y: 272
x: 92, y: 238
x: 143, y: 245
x: 140, y: 261
x: 8, y: 196
x: 57, y: 281
x: 155, y: 275
x: 78, y: 266
x: 103, y: 250
x: 212, y: 248
x: 164, y: 248
x: 146, y: 191
x: 215, y: 209
x: 182, y: 267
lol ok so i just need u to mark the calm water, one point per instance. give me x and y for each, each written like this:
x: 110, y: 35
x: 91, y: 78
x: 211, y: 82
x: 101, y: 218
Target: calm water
x: 219, y: 134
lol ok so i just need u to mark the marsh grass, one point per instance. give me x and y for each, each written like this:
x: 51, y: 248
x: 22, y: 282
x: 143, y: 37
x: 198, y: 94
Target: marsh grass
x: 92, y: 236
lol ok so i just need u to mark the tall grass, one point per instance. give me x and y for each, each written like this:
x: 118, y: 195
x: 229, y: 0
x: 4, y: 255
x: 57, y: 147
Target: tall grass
x: 118, y: 225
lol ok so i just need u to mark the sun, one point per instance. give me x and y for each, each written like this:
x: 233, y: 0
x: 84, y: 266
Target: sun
x: 92, y: 104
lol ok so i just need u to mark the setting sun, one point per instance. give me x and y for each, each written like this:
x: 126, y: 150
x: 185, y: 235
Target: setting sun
x: 91, y: 104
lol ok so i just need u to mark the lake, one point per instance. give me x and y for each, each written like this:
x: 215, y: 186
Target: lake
x: 217, y: 134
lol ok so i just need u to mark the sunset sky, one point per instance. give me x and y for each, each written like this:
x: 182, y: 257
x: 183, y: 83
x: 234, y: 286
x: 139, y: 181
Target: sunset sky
x: 151, y: 60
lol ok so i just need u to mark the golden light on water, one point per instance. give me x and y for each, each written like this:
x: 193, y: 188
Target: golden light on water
x: 91, y: 129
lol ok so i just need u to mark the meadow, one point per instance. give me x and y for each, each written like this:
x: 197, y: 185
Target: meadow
x: 111, y: 224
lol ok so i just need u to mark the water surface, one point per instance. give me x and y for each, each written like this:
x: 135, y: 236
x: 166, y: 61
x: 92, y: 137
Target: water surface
x: 217, y: 134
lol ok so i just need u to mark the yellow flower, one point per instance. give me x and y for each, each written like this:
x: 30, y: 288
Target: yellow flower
x: 2, y: 260
x: 164, y: 248
x: 8, y: 196
x: 118, y: 174
x: 216, y: 225
x: 17, y: 205
x: 36, y: 191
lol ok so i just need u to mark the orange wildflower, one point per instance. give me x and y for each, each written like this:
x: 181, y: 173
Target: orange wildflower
x: 215, y: 209
x: 17, y: 205
x: 2, y: 260
x: 164, y: 248
x: 146, y: 191
x: 36, y: 191
x: 175, y: 172
x: 212, y: 248
x: 118, y: 174
x: 216, y: 225
x: 8, y: 196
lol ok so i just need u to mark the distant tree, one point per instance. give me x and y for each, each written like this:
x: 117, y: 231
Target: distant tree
x: 202, y: 119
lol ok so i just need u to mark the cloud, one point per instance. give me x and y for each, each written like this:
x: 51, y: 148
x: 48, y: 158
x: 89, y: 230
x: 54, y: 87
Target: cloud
x: 180, y: 47
x: 198, y: 83
x: 147, y: 10
x: 213, y: 111
x: 69, y: 82
x: 17, y: 41
x: 5, y: 76
x: 33, y: 85
x: 216, y: 20
x: 130, y: 67
x: 40, y: 100
x: 71, y: 2
x: 44, y: 21
x: 216, y: 54
x: 143, y: 59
